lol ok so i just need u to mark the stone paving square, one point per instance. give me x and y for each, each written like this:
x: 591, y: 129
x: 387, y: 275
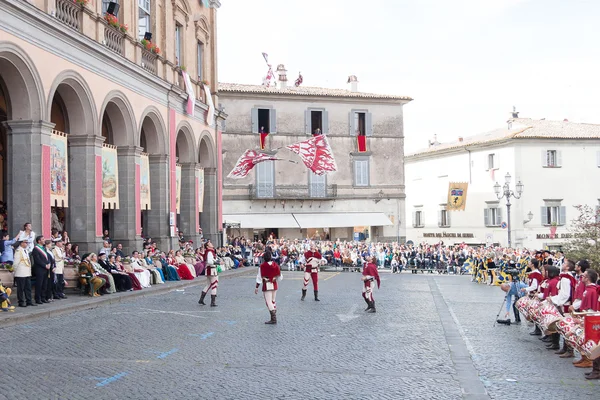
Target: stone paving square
x: 431, y: 338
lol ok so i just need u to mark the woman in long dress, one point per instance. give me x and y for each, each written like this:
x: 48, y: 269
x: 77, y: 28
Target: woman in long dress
x: 169, y: 270
x: 178, y: 261
x: 135, y: 283
x: 199, y: 266
x: 142, y: 274
x: 182, y: 261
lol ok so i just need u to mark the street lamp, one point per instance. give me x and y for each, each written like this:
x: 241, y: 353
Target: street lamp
x: 505, y: 191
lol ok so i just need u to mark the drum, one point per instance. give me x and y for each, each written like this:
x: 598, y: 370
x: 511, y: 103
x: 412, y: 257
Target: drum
x: 549, y: 316
x: 591, y: 348
x: 566, y: 325
x: 576, y: 338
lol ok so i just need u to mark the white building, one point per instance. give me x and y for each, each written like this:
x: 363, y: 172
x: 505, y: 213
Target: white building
x: 557, y: 162
x: 365, y: 196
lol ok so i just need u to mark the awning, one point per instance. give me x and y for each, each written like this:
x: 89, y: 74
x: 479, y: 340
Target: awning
x: 335, y: 220
x: 259, y: 221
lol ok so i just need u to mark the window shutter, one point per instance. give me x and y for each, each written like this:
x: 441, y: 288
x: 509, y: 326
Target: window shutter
x: 369, y: 124
x: 448, y: 218
x: 414, y: 219
x: 351, y: 125
x: 486, y: 217
x: 544, y: 213
x: 273, y: 121
x: 325, y: 116
x: 544, y: 158
x: 563, y: 215
x: 357, y: 172
x: 498, y: 216
x: 307, y: 122
x: 254, y: 118
x: 558, y: 158
x: 440, y: 224
x: 496, y: 161
x: 366, y: 172
x: 598, y: 159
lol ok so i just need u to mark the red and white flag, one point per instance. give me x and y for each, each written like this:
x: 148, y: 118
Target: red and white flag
x: 315, y: 154
x: 247, y: 161
x: 299, y: 80
x: 266, y: 57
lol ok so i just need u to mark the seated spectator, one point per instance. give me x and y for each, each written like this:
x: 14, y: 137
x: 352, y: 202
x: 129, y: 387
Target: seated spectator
x: 169, y: 271
x: 135, y: 283
x: 154, y: 273
x: 153, y: 267
x: 87, y: 273
x: 178, y: 261
x: 200, y: 264
x: 110, y: 286
x: 121, y: 278
x: 143, y: 275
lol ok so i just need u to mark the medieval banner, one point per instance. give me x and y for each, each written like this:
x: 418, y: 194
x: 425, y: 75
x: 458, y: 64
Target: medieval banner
x: 110, y: 177
x: 200, y: 176
x: 178, y: 188
x: 457, y: 196
x: 144, y: 182
x: 59, y: 170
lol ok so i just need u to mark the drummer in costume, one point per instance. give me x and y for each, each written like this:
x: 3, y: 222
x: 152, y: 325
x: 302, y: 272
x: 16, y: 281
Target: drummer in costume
x: 268, y: 275
x: 311, y: 271
x: 562, y: 300
x: 535, y: 279
x: 588, y: 303
x: 370, y: 275
x: 549, y: 287
x: 212, y: 277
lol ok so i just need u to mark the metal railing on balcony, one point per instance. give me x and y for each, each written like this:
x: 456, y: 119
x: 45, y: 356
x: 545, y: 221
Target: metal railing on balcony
x: 149, y: 61
x: 69, y: 13
x: 114, y: 40
x: 291, y: 192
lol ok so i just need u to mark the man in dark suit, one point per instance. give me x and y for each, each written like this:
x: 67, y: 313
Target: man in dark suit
x: 41, y: 267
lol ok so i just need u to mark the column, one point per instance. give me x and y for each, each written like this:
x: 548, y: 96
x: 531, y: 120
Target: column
x: 158, y: 215
x: 84, y: 216
x: 187, y: 210
x: 28, y: 182
x: 209, y: 215
x: 127, y: 216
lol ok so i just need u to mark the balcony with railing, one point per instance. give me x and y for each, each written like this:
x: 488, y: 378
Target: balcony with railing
x: 114, y: 39
x: 69, y: 13
x: 292, y: 192
x: 149, y: 61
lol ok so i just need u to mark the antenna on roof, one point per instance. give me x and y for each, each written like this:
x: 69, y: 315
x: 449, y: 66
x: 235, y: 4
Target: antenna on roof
x: 515, y: 114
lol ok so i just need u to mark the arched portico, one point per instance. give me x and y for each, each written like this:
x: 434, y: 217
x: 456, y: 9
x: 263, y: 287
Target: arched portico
x: 186, y: 154
x: 208, y: 214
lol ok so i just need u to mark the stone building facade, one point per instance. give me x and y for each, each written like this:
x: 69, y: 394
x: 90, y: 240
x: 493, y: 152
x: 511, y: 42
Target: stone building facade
x: 66, y: 72
x: 363, y: 198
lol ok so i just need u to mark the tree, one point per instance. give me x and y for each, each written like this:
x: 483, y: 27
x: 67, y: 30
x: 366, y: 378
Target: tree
x: 585, y: 241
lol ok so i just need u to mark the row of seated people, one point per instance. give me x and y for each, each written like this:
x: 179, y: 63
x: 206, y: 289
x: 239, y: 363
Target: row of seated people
x: 109, y: 273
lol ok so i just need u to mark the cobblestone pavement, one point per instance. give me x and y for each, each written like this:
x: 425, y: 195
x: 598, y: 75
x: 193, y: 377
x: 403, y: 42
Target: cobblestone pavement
x: 431, y: 338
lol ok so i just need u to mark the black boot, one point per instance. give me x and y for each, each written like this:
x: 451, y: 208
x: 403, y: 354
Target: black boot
x: 563, y: 349
x: 303, y: 294
x: 201, y: 301
x: 372, y: 305
x: 536, y: 332
x: 555, y: 344
x: 546, y: 338
x: 213, y: 298
x: 503, y: 321
x: 317, y: 295
x: 368, y: 304
x: 273, y: 320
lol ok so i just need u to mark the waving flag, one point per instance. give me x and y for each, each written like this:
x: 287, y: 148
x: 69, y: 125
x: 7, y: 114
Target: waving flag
x: 266, y: 57
x: 191, y: 101
x: 315, y: 154
x: 247, y: 161
x: 299, y: 80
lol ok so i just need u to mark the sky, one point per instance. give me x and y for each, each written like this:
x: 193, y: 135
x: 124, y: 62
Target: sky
x: 465, y: 63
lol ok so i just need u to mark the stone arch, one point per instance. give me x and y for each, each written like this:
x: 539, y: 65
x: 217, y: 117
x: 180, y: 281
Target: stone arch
x: 23, y: 84
x: 185, y: 144
x: 121, y: 121
x: 155, y: 131
x: 78, y: 101
x: 206, y: 150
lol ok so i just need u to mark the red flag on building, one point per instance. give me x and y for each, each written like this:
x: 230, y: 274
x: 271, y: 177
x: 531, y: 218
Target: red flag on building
x: 247, y: 161
x: 299, y: 80
x: 315, y: 154
x: 362, y: 143
x: 263, y: 140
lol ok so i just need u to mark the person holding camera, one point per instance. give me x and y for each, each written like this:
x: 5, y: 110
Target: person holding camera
x: 514, y: 291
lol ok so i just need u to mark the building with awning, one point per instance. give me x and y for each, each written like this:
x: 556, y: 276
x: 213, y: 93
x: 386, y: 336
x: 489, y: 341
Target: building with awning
x: 364, y: 198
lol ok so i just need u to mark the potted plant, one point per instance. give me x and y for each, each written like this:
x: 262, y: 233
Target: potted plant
x: 81, y: 2
x: 205, y: 82
x: 114, y: 22
x: 148, y: 45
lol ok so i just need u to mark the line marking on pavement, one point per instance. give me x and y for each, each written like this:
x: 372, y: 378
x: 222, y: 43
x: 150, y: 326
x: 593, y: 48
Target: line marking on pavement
x: 175, y: 313
x: 460, y: 349
x: 167, y: 353
x: 329, y: 277
x: 106, y: 381
x: 229, y: 322
x: 202, y: 336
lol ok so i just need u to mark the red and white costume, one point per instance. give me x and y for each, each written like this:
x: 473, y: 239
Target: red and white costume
x: 550, y: 288
x: 566, y: 288
x: 535, y: 280
x: 590, y: 298
x: 268, y: 276
x: 370, y: 275
x: 212, y: 277
x: 578, y: 295
x: 311, y: 270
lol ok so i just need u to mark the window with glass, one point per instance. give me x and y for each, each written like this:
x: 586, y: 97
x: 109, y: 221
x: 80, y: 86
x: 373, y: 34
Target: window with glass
x: 553, y: 214
x: 265, y: 179
x: 361, y: 172
x: 444, y: 219
x: 143, y: 18
x: 105, y: 4
x: 491, y: 164
x: 318, y: 185
x: 200, y: 61
x: 551, y: 158
x: 492, y: 216
x: 178, y: 29
x: 418, y: 220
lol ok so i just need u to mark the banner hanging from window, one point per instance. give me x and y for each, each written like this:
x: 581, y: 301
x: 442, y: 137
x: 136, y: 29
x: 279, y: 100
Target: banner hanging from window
x: 178, y: 188
x: 59, y: 170
x: 145, y: 182
x: 200, y: 176
x: 457, y: 196
x: 110, y: 177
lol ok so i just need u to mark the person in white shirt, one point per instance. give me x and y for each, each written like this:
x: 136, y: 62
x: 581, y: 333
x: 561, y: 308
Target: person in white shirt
x: 22, y: 268
x: 27, y: 235
x: 59, y: 259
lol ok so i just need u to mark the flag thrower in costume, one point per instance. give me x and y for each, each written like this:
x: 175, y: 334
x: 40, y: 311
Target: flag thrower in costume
x: 315, y: 154
x: 248, y: 160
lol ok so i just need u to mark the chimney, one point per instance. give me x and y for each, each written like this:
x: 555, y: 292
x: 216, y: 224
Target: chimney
x: 282, y: 72
x: 353, y: 81
x: 460, y: 139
